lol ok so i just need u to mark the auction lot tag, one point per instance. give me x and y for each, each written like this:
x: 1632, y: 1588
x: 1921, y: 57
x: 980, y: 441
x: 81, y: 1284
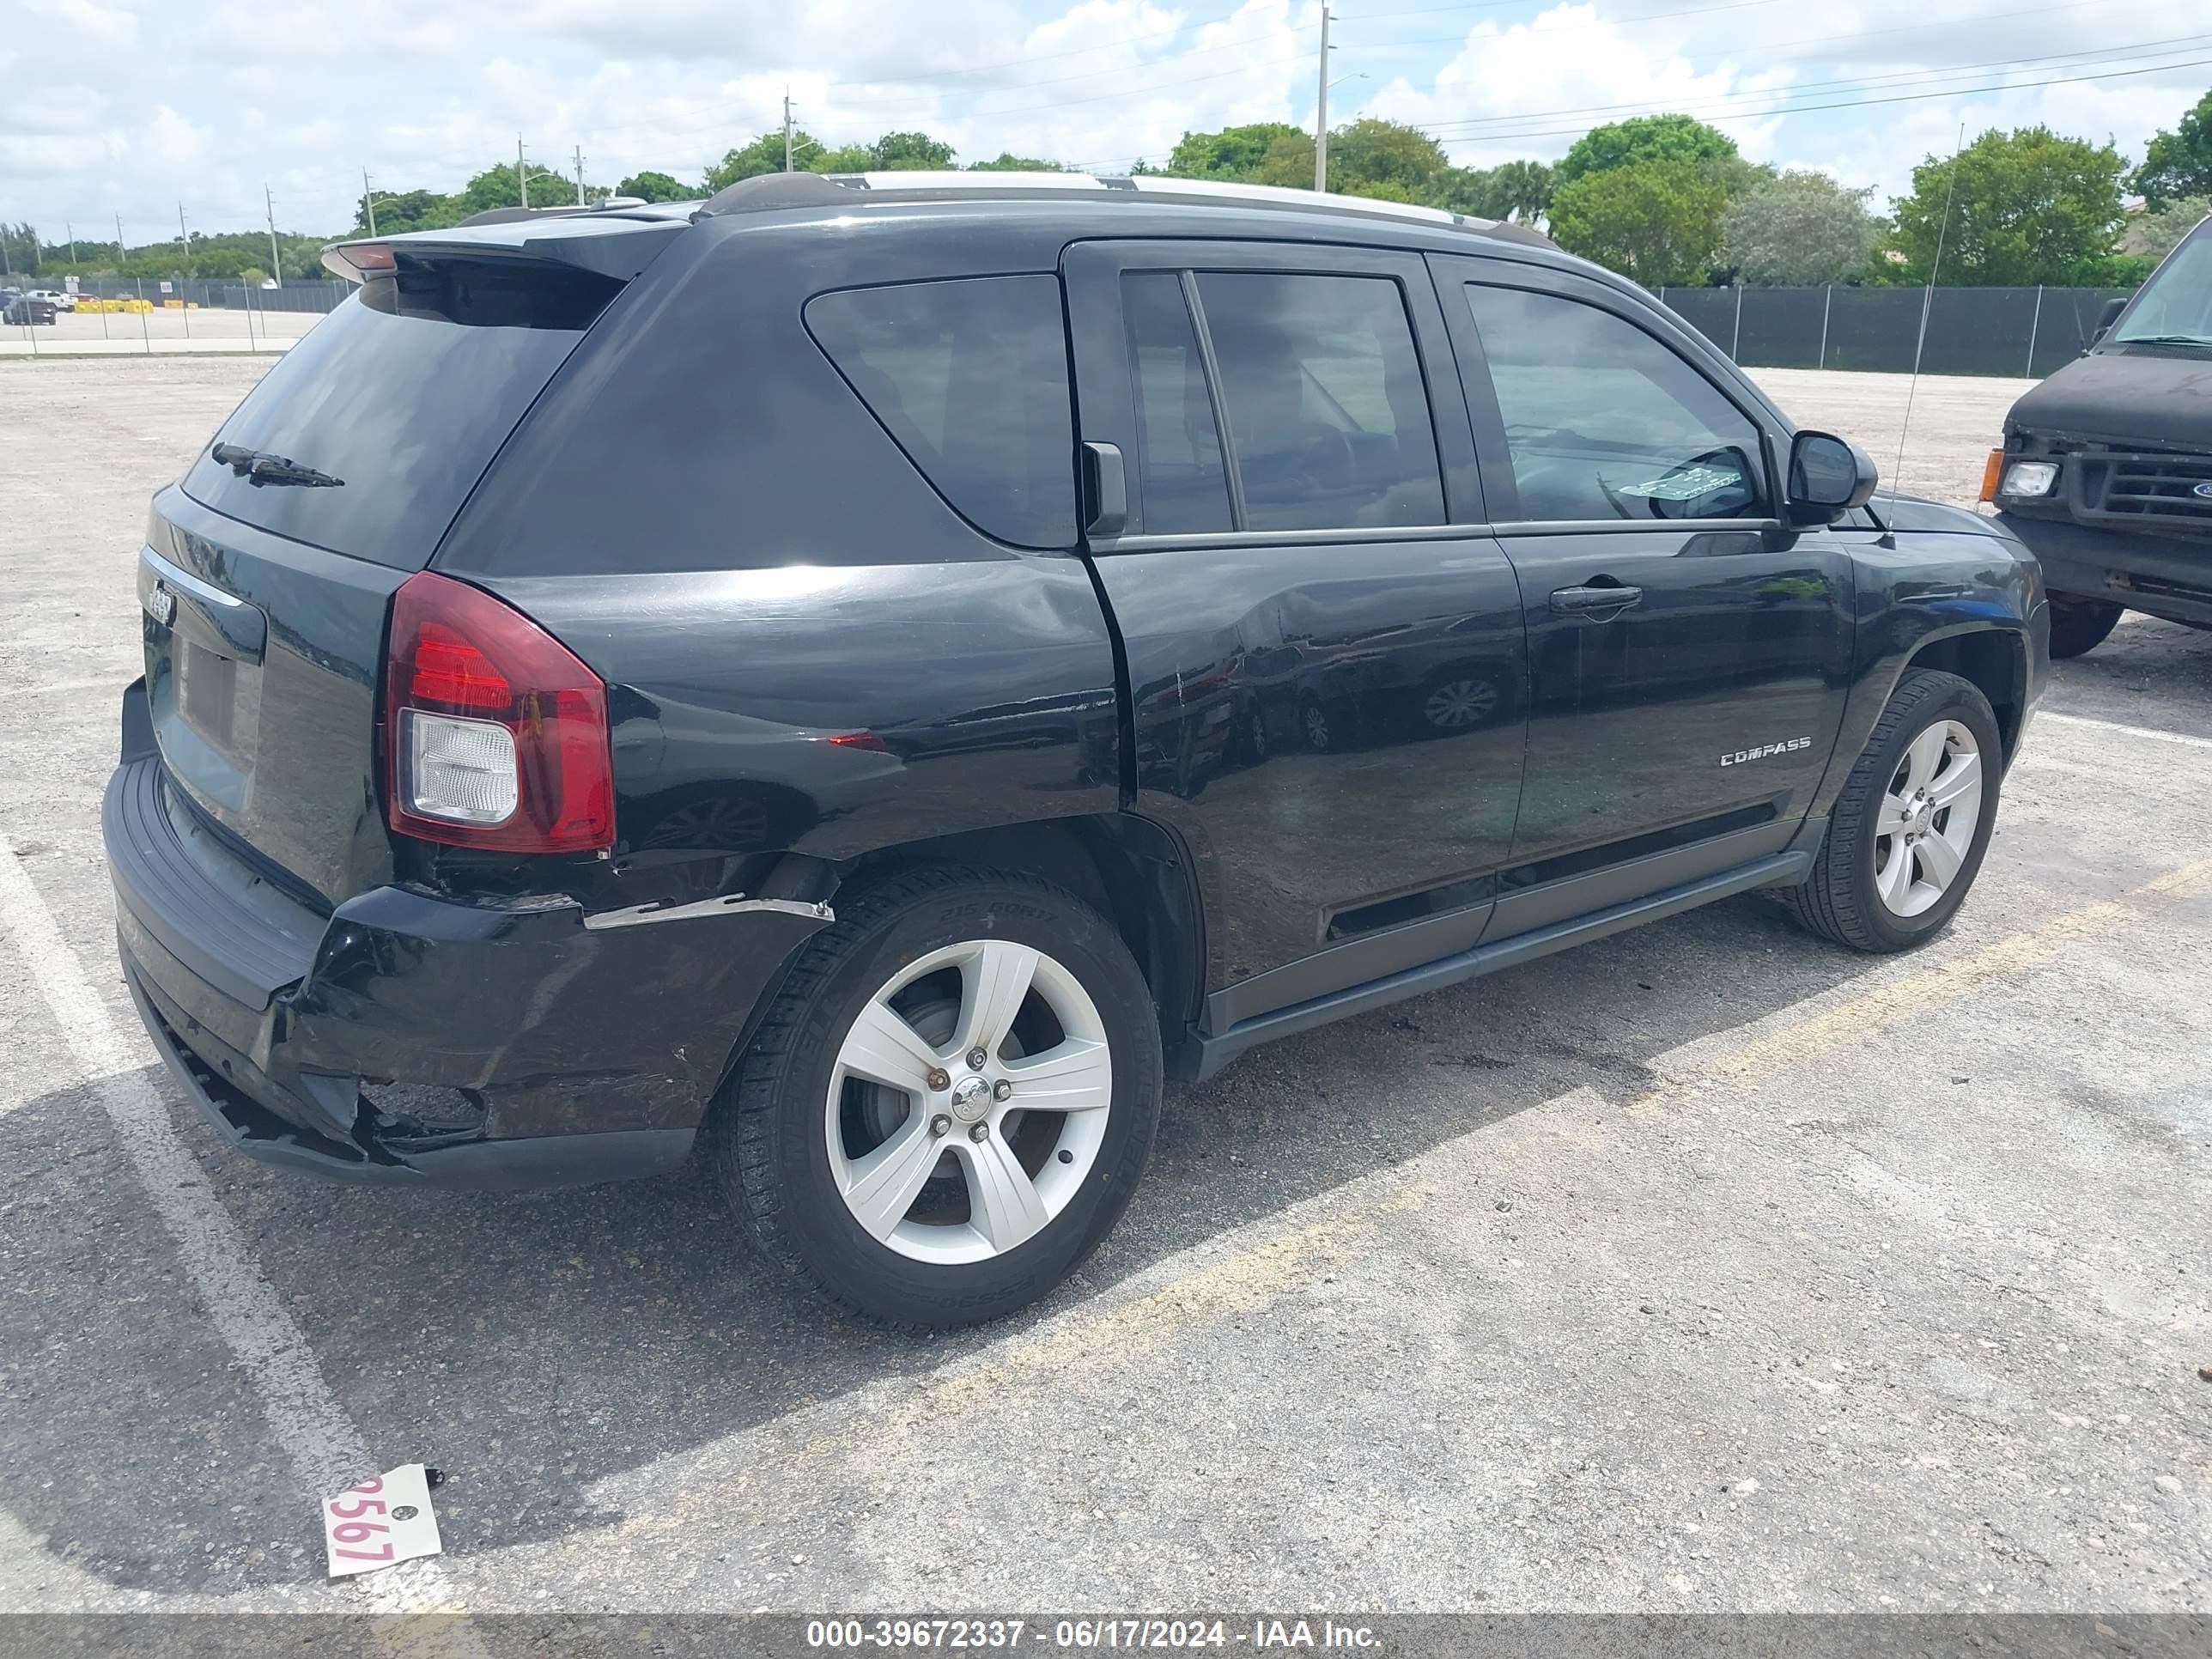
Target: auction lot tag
x: 380, y: 1522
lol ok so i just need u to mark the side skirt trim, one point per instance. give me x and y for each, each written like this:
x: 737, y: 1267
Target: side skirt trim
x: 1205, y: 1055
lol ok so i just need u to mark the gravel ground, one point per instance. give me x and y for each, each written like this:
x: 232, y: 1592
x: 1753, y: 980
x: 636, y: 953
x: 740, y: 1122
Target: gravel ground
x: 1707, y: 1267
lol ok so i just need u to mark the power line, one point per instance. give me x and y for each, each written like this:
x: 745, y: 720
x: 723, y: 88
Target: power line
x: 1900, y: 77
x: 1846, y: 103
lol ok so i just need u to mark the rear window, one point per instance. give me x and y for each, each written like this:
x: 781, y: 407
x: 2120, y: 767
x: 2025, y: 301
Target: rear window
x: 970, y: 377
x: 405, y: 392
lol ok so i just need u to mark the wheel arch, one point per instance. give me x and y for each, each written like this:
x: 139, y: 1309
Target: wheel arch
x: 1994, y: 661
x: 1130, y: 869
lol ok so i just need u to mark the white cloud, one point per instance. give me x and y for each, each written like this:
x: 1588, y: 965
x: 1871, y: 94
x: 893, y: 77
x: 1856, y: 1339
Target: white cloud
x: 107, y: 23
x: 140, y: 109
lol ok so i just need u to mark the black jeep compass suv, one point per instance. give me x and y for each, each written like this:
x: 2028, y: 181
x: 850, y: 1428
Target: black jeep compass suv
x: 866, y: 676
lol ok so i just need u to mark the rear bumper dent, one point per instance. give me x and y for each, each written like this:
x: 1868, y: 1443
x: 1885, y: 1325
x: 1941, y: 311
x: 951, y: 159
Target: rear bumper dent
x: 254, y: 1130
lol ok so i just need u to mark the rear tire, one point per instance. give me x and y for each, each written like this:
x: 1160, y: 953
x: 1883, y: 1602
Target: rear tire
x: 926, y: 1202
x: 1907, y: 836
x: 2078, y: 625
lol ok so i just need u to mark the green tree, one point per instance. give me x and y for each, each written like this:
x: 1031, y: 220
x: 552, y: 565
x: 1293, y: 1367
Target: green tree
x: 2154, y: 235
x: 1658, y: 221
x: 1644, y: 138
x: 1519, y: 191
x: 400, y: 210
x: 1235, y: 154
x: 845, y: 158
x: 2029, y: 206
x: 1009, y: 162
x: 1373, y: 157
x: 1797, y: 230
x: 496, y: 186
x: 765, y: 155
x: 910, y: 152
x: 2178, y: 164
x: 18, y: 250
x: 1288, y: 162
x: 656, y: 187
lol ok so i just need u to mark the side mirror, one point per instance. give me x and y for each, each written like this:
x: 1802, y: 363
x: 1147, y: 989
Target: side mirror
x: 1829, y: 477
x: 2107, y: 317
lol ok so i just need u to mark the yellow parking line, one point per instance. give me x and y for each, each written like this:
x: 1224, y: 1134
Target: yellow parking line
x: 1943, y: 982
x: 1087, y: 1342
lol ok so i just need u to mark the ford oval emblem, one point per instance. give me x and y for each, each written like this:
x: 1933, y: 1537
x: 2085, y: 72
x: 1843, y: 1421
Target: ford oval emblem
x: 2203, y: 489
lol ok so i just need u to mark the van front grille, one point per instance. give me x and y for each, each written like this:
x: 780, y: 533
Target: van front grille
x: 2172, y: 489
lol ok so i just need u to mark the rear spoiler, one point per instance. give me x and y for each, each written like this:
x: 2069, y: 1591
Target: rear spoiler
x: 618, y: 245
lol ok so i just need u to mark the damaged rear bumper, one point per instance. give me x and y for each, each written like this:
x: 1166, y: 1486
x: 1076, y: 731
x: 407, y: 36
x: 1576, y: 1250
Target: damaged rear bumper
x: 409, y: 1038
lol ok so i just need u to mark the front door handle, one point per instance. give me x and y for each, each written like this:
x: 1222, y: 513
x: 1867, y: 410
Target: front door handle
x: 1582, y: 601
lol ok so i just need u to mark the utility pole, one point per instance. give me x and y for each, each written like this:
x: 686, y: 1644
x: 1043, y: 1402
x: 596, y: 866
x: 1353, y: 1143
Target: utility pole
x: 118, y: 247
x: 1321, y: 111
x: 276, y: 259
x: 787, y: 129
x: 369, y: 200
x: 71, y: 229
x: 580, y: 175
x: 521, y: 175
x: 186, y: 237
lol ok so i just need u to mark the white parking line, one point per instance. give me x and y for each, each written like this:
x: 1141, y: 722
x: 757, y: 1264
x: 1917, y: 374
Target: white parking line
x: 2128, y: 731
x: 327, y: 1452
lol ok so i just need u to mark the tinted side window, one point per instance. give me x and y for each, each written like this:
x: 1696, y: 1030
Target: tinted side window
x: 970, y: 377
x: 1181, y: 481
x: 1603, y: 421
x: 1327, y: 413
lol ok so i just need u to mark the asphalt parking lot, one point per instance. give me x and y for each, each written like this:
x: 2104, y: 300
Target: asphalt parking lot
x: 1708, y: 1268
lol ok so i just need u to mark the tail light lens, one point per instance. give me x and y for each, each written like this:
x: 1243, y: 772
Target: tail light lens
x: 497, y: 735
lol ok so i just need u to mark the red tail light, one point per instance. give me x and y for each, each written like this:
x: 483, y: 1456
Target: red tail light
x: 496, y: 735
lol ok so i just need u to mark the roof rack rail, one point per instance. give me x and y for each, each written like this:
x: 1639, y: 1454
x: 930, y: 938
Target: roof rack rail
x: 769, y: 191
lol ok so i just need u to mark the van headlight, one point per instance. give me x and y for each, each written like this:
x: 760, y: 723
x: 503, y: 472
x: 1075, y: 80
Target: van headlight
x: 2030, y: 478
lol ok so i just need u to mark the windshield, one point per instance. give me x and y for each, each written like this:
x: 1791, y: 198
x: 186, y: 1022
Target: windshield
x: 2176, y: 304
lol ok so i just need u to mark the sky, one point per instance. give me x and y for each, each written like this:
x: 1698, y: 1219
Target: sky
x: 108, y: 107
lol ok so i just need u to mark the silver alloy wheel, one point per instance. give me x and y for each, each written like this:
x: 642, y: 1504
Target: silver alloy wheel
x: 1457, y: 704
x: 1925, y: 827
x: 1019, y: 1133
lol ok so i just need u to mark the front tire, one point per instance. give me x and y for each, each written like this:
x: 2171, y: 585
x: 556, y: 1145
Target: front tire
x: 2078, y: 625
x: 865, y: 1150
x: 1907, y: 836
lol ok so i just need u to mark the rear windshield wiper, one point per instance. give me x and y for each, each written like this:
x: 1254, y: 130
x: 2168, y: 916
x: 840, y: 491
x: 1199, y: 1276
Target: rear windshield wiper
x: 265, y: 469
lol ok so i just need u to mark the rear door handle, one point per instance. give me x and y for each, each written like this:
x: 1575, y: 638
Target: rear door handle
x: 1581, y: 601
x: 1106, y: 490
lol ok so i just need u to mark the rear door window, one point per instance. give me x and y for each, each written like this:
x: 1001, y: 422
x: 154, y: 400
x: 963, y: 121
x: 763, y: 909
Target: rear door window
x: 1184, y: 487
x: 1327, y: 413
x: 970, y: 376
x: 404, y: 393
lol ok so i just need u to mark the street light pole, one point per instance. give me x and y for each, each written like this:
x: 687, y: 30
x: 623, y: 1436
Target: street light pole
x: 787, y: 129
x: 1320, y: 111
x: 369, y: 200
x: 580, y: 175
x: 521, y: 174
x: 276, y: 259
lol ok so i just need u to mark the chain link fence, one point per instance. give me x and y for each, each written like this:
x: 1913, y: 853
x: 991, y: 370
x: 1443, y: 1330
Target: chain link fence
x: 214, y: 293
x: 2020, y: 332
